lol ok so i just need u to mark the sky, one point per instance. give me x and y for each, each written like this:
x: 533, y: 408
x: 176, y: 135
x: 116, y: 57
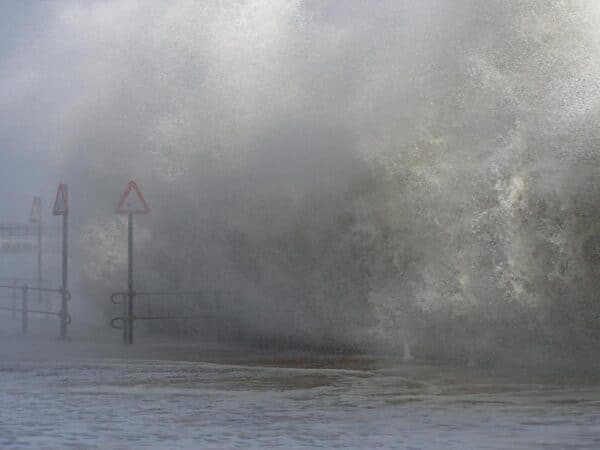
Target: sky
x: 26, y: 169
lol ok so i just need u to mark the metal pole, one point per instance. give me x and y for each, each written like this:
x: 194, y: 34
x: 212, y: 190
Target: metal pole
x: 130, y: 288
x: 63, y: 306
x: 39, y: 260
x: 24, y: 311
x: 124, y: 321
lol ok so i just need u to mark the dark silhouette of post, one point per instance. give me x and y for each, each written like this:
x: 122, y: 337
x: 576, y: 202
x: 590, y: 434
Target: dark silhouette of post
x: 130, y: 281
x: 36, y: 218
x: 64, y: 314
x: 39, y: 261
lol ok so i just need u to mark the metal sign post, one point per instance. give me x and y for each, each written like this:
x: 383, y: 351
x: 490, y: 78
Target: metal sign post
x: 36, y: 217
x: 61, y: 208
x: 39, y: 261
x: 130, y: 288
x: 132, y: 202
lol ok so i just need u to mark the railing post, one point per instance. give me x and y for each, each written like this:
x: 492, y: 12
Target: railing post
x: 24, y: 311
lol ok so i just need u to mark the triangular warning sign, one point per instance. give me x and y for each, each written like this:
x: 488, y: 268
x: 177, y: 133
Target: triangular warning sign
x: 132, y: 201
x: 61, y: 205
x: 36, y: 211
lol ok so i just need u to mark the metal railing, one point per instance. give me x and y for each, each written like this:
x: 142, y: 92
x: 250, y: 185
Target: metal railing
x: 25, y: 310
x: 210, y: 300
x: 42, y: 297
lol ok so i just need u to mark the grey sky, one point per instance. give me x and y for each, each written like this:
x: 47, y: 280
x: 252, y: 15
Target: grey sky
x: 25, y: 170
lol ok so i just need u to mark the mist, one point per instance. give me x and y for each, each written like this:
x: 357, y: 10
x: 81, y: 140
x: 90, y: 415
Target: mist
x: 360, y: 174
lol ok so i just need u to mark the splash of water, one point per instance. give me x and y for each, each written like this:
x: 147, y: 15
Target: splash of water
x: 419, y: 173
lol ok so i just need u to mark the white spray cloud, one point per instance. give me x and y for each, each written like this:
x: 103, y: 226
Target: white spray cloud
x: 258, y: 113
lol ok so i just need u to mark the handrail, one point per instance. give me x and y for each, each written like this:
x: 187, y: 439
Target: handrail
x: 35, y: 311
x: 126, y: 299
x: 37, y: 289
x: 23, y: 279
x: 63, y: 314
x: 115, y: 301
x: 172, y: 293
x: 195, y: 316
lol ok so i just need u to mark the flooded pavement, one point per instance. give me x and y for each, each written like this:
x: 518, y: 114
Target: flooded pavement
x: 262, y: 400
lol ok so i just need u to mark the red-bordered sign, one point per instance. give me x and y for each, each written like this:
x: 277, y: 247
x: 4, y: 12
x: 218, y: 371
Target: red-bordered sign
x: 132, y: 201
x: 36, y: 211
x: 61, y: 205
